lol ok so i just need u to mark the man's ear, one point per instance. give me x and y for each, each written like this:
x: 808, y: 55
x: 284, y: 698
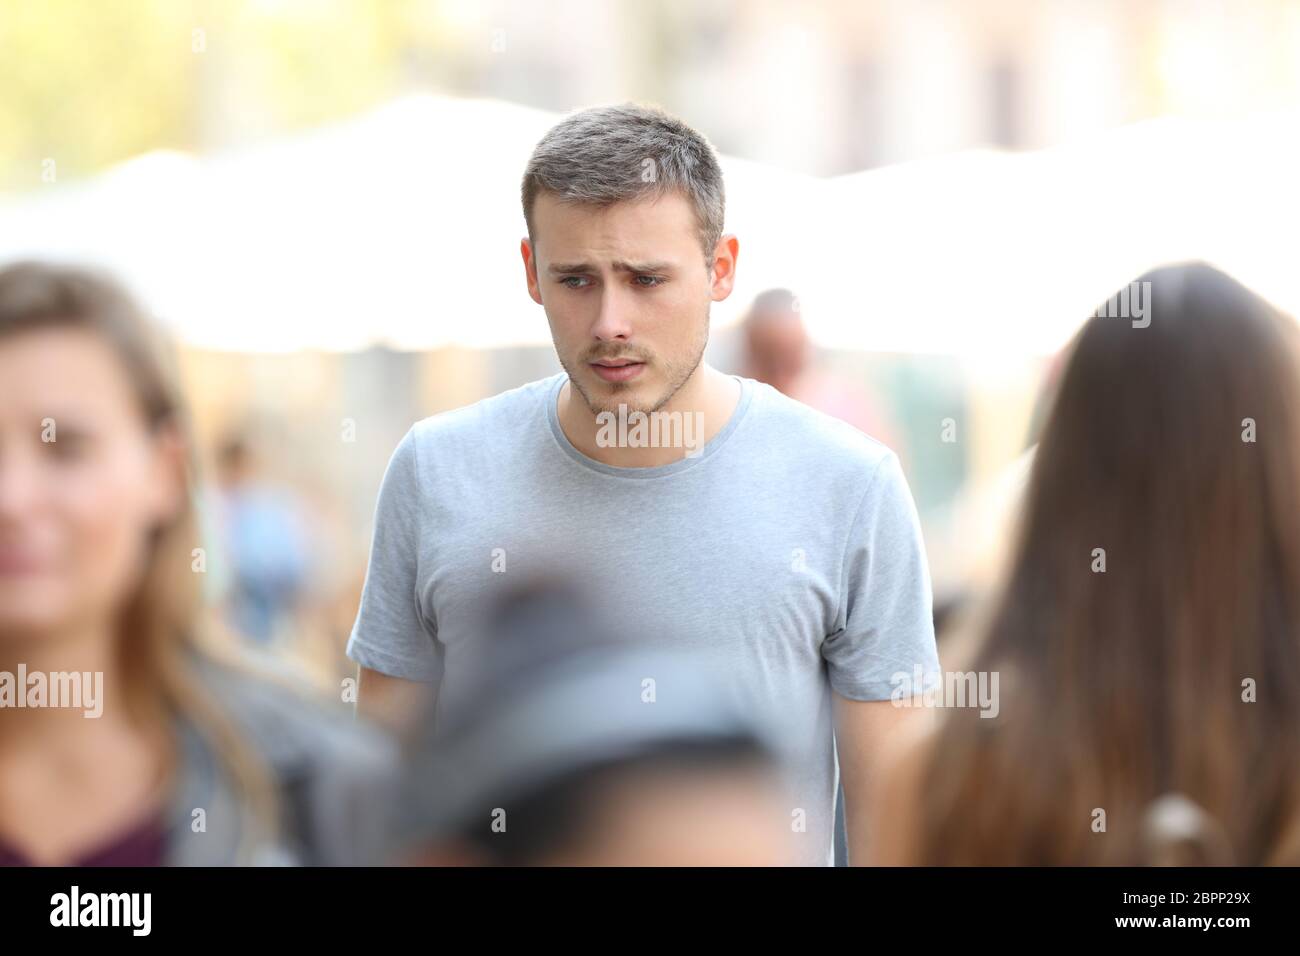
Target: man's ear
x: 724, y: 266
x: 530, y: 269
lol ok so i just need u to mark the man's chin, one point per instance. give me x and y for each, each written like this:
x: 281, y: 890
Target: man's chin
x: 625, y: 402
x: 603, y: 396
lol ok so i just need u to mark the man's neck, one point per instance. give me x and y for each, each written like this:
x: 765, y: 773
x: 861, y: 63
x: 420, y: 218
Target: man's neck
x: 696, y: 413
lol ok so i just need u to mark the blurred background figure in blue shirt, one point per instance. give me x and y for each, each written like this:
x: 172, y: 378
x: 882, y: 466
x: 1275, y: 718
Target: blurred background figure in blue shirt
x: 265, y: 539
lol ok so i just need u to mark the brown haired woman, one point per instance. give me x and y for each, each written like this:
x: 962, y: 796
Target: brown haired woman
x: 1147, y: 638
x: 166, y: 756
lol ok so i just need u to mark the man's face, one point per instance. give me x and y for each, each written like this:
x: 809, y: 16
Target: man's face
x: 626, y: 289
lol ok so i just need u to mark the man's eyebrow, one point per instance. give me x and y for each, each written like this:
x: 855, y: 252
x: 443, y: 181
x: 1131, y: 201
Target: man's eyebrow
x: 620, y: 266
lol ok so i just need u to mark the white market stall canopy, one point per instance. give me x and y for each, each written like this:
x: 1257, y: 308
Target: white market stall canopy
x: 402, y: 227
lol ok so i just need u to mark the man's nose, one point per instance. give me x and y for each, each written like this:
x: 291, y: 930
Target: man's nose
x: 613, y: 320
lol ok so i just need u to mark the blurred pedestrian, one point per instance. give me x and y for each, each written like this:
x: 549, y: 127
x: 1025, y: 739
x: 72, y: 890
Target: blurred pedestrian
x: 1146, y: 636
x: 126, y: 736
x: 580, y: 749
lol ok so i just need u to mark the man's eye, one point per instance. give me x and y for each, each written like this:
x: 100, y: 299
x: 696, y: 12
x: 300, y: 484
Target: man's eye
x: 650, y: 281
x: 573, y: 282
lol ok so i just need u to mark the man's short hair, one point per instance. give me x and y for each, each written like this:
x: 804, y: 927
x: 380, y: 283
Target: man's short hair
x: 610, y: 154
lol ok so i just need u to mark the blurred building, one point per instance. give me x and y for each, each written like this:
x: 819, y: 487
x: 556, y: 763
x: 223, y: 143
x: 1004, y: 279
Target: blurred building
x: 841, y: 85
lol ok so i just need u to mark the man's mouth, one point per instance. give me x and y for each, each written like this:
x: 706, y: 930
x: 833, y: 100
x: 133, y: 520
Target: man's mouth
x: 617, y: 370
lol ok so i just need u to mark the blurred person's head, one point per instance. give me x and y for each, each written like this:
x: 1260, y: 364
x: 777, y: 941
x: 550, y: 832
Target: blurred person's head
x: 685, y: 803
x: 1148, y: 635
x: 775, y: 340
x: 234, y: 460
x: 91, y: 470
x: 97, y: 528
x: 567, y: 758
x: 625, y: 251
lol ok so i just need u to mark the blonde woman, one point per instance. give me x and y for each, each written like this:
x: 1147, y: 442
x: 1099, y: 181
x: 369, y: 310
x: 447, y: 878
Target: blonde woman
x: 173, y: 757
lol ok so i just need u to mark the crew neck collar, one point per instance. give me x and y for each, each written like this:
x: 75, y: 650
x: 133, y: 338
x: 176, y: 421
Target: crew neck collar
x: 712, y: 447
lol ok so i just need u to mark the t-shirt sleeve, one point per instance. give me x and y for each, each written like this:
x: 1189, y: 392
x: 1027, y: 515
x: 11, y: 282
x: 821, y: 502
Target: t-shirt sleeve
x: 886, y: 619
x: 392, y: 634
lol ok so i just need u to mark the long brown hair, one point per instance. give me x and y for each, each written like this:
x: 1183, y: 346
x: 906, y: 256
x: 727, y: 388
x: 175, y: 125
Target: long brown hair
x: 1170, y: 459
x: 162, y: 633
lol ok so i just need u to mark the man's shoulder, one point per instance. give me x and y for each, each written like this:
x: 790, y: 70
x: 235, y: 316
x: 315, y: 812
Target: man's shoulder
x: 810, y: 433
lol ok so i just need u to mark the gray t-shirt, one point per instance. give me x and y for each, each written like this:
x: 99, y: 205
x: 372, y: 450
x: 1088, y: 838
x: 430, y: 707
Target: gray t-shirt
x: 787, y: 552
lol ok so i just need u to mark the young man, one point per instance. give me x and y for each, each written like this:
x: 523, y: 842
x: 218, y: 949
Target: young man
x: 781, y: 543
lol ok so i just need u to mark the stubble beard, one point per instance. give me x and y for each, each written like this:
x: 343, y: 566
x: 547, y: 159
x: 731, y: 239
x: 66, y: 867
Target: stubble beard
x: 677, y: 374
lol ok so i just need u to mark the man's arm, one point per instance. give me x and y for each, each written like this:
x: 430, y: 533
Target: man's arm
x: 869, y: 735
x: 392, y: 631
x: 391, y: 702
